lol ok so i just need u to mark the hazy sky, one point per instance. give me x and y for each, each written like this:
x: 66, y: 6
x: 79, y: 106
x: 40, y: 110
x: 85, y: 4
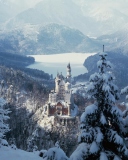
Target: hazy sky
x: 24, y: 4
x: 122, y: 4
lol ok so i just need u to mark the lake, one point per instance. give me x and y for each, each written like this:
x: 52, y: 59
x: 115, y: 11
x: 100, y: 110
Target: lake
x: 58, y: 63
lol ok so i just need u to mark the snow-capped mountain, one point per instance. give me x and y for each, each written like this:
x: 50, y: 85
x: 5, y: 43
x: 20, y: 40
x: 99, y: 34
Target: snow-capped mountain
x: 52, y: 38
x: 47, y: 11
x: 26, y: 29
x: 93, y: 18
x: 6, y: 11
x: 117, y: 41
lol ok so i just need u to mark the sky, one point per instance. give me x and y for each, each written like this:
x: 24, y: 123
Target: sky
x: 116, y: 3
x: 25, y: 2
x: 22, y: 4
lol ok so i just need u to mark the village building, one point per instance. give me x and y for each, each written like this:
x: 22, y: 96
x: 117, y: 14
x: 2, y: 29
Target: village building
x: 61, y: 101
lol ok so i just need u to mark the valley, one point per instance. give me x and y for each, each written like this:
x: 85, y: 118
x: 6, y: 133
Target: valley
x: 60, y: 96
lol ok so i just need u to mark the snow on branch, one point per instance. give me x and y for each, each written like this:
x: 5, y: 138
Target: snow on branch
x: 80, y: 152
x: 103, y: 156
x: 94, y: 147
x: 103, y: 119
x: 89, y: 110
x: 125, y: 90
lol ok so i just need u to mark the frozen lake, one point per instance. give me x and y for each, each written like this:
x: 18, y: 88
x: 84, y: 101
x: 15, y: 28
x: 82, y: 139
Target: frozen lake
x: 58, y: 63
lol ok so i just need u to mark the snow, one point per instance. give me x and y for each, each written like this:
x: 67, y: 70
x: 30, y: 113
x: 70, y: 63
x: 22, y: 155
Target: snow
x: 47, y: 122
x: 99, y: 137
x: 103, y: 119
x: 103, y: 156
x: 74, y: 112
x: 88, y: 110
x: 2, y: 101
x: 103, y: 54
x: 94, y: 77
x: 118, y: 139
x: 99, y: 64
x: 106, y: 77
x: 109, y: 64
x: 7, y: 153
x: 90, y: 87
x: 116, y: 158
x: 4, y: 142
x: 81, y: 150
x: 127, y: 97
x: 55, y: 153
x: 94, y: 148
x: 125, y: 90
x: 106, y: 88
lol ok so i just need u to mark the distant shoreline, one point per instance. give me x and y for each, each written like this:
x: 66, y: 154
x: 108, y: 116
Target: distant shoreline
x: 54, y: 63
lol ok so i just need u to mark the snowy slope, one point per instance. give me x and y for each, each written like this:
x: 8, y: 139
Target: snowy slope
x: 116, y: 41
x: 52, y: 38
x: 6, y: 153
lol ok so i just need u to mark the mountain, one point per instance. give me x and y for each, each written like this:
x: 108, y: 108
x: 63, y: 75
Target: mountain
x: 93, y: 18
x: 19, y: 62
x: 47, y: 11
x: 6, y: 11
x: 10, y: 8
x: 52, y: 38
x: 33, y: 29
x: 119, y: 69
x: 117, y: 41
x: 55, y: 38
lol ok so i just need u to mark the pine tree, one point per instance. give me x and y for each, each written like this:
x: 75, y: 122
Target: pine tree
x: 32, y: 141
x: 102, y: 125
x: 3, y: 126
x: 125, y: 113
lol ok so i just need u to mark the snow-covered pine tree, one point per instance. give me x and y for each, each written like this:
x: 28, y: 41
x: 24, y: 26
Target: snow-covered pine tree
x: 55, y: 153
x: 125, y: 113
x: 32, y: 141
x: 3, y: 126
x: 102, y: 125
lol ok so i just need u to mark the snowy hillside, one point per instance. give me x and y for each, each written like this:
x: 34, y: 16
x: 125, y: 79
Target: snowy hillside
x: 7, y: 153
x: 52, y: 38
x: 116, y: 41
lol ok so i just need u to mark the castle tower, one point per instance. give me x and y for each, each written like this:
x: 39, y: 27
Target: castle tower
x: 69, y: 109
x: 48, y: 106
x: 69, y: 73
x: 57, y: 83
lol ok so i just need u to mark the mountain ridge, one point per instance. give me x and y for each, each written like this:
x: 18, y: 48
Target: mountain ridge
x: 91, y: 18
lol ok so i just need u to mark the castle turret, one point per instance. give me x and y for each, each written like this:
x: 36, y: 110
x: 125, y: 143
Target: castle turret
x: 69, y: 109
x: 48, y: 106
x: 69, y: 73
x: 57, y: 83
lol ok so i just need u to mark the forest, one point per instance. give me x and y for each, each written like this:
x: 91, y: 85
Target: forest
x: 100, y: 132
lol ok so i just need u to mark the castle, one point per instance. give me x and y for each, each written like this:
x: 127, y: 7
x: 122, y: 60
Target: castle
x: 61, y: 99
